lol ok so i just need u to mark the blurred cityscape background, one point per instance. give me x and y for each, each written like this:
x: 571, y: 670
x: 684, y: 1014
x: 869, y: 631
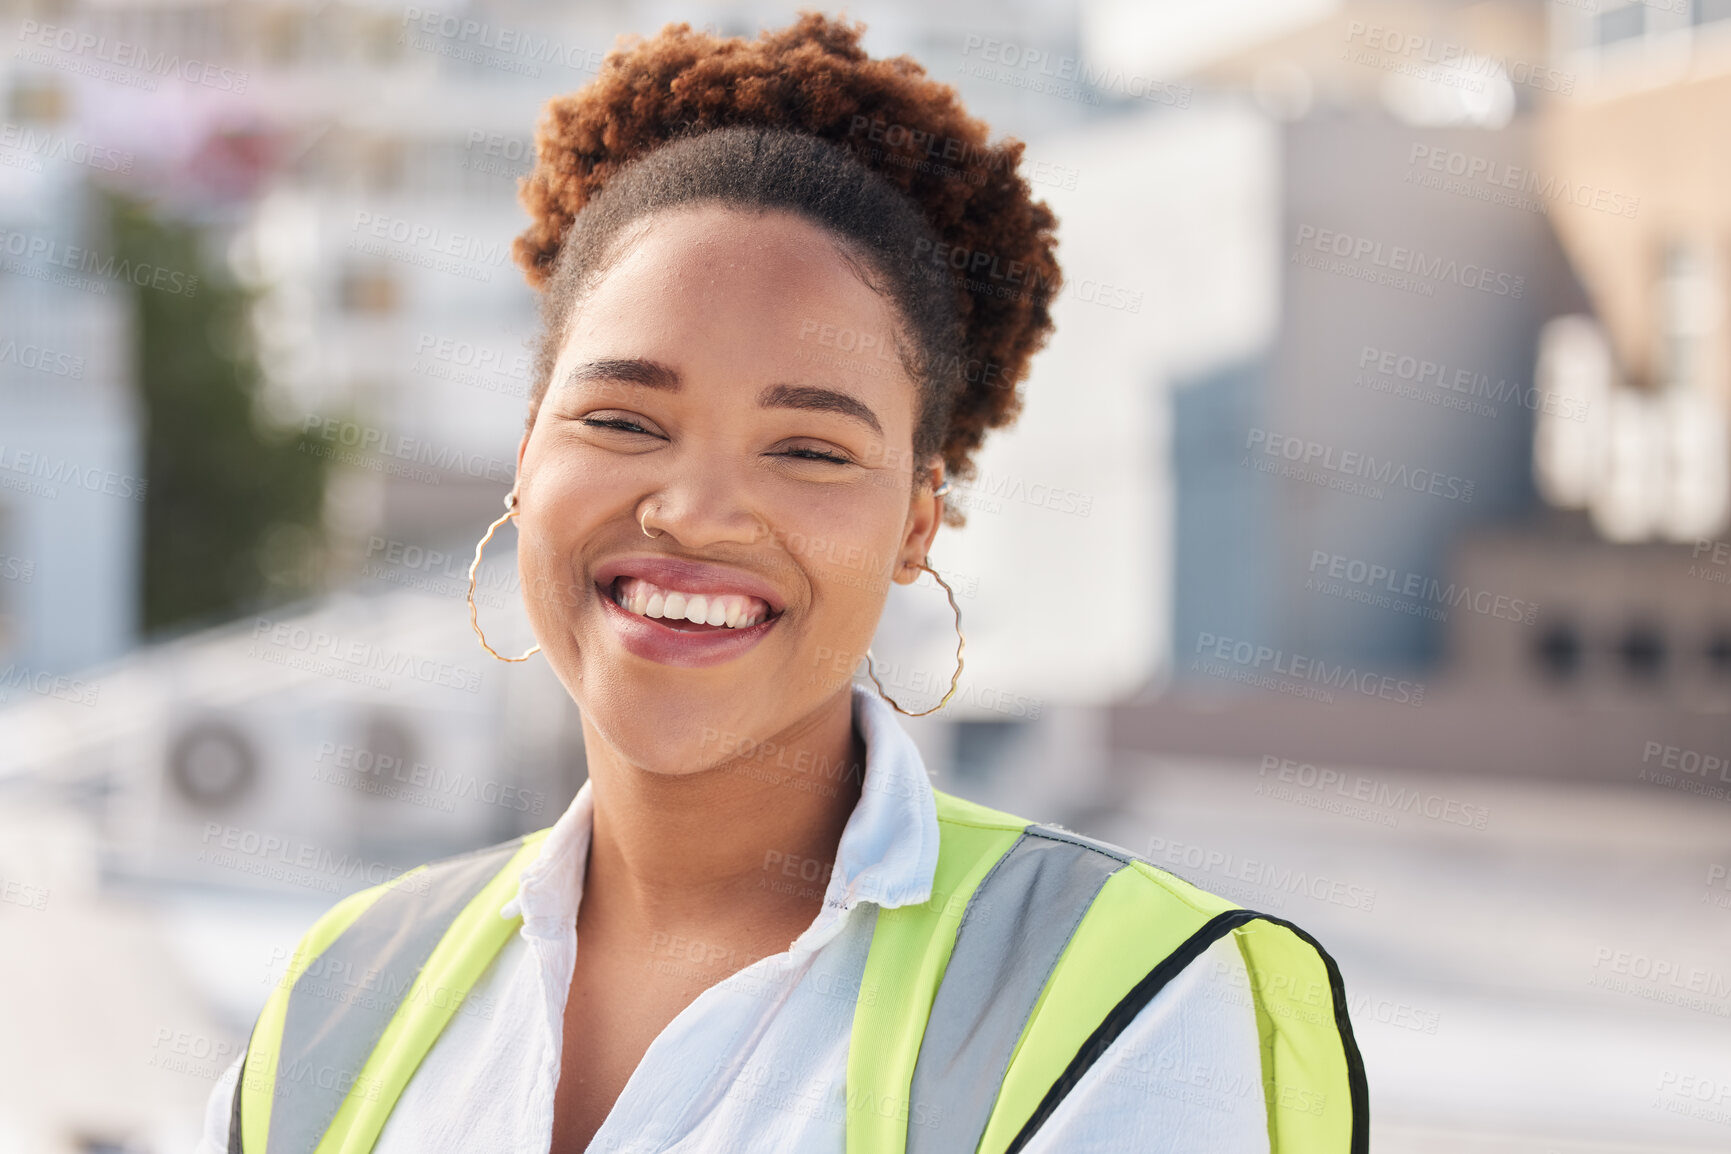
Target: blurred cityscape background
x: 1386, y: 424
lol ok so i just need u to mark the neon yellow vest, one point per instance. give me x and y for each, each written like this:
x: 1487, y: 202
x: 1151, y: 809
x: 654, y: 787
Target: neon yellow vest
x: 978, y: 1010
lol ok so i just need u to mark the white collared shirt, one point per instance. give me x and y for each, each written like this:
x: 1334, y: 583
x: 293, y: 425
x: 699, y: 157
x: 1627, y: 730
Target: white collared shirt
x: 758, y: 1062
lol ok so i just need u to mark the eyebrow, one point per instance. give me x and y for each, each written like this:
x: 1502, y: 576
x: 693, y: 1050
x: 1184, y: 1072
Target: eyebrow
x: 625, y: 370
x: 820, y: 399
x: 654, y: 375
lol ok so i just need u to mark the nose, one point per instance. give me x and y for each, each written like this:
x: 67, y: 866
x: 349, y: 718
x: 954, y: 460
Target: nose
x: 704, y: 503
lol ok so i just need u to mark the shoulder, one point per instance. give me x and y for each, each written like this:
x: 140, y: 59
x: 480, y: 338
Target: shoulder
x: 1149, y: 945
x: 435, y: 890
x: 1161, y: 894
x: 404, y: 954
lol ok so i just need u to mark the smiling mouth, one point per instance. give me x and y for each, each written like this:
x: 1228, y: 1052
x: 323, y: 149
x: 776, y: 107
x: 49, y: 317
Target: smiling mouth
x: 688, y: 612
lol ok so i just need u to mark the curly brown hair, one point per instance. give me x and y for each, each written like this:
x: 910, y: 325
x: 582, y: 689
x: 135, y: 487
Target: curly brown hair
x: 992, y: 245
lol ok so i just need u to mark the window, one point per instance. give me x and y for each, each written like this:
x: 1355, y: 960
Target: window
x: 1710, y: 11
x: 1625, y: 23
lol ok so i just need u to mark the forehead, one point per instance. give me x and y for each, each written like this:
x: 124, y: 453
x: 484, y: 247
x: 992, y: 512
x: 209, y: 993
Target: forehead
x: 745, y: 279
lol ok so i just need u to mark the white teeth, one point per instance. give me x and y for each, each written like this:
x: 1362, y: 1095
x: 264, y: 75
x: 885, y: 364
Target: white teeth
x: 734, y: 610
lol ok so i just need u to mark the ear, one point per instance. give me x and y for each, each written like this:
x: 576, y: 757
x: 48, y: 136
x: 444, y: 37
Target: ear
x: 925, y: 515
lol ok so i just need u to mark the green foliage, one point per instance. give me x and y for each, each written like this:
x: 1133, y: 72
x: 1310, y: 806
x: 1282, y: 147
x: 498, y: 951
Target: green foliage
x: 232, y: 517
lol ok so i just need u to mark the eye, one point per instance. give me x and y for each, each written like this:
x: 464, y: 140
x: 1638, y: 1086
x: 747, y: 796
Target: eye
x: 620, y: 423
x: 816, y: 455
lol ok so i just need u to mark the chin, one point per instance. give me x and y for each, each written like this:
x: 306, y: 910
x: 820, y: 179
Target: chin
x: 681, y: 724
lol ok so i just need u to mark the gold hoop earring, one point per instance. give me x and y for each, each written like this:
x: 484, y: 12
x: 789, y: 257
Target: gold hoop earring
x: 643, y: 524
x: 474, y: 616
x: 961, y: 642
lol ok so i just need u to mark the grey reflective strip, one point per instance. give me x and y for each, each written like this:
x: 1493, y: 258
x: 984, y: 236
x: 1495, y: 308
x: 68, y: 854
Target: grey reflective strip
x: 341, y: 1005
x: 1016, y: 925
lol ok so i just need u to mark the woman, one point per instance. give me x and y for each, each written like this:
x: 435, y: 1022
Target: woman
x: 754, y: 379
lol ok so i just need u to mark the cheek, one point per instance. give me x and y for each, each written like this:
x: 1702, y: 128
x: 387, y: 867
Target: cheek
x: 564, y: 504
x: 845, y: 543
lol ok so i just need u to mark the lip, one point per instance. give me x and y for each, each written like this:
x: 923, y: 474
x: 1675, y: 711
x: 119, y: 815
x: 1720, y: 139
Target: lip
x: 649, y: 639
x: 690, y: 577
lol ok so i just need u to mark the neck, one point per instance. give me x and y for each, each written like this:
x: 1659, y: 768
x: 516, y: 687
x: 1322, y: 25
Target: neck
x: 749, y: 841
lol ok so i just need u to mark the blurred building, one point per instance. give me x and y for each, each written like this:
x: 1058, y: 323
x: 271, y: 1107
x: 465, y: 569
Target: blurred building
x: 71, y: 472
x: 1559, y: 145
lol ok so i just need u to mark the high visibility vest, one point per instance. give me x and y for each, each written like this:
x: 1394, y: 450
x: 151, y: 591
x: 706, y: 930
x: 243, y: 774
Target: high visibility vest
x: 988, y: 1003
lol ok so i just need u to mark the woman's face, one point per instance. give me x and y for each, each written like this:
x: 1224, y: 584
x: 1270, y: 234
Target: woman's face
x: 732, y: 381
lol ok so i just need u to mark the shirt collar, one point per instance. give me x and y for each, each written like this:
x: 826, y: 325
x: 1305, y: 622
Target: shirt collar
x: 888, y: 853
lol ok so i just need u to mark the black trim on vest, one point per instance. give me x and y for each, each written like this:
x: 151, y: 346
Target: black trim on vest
x: 234, y: 1108
x: 1116, y: 1022
x: 1357, y: 1085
